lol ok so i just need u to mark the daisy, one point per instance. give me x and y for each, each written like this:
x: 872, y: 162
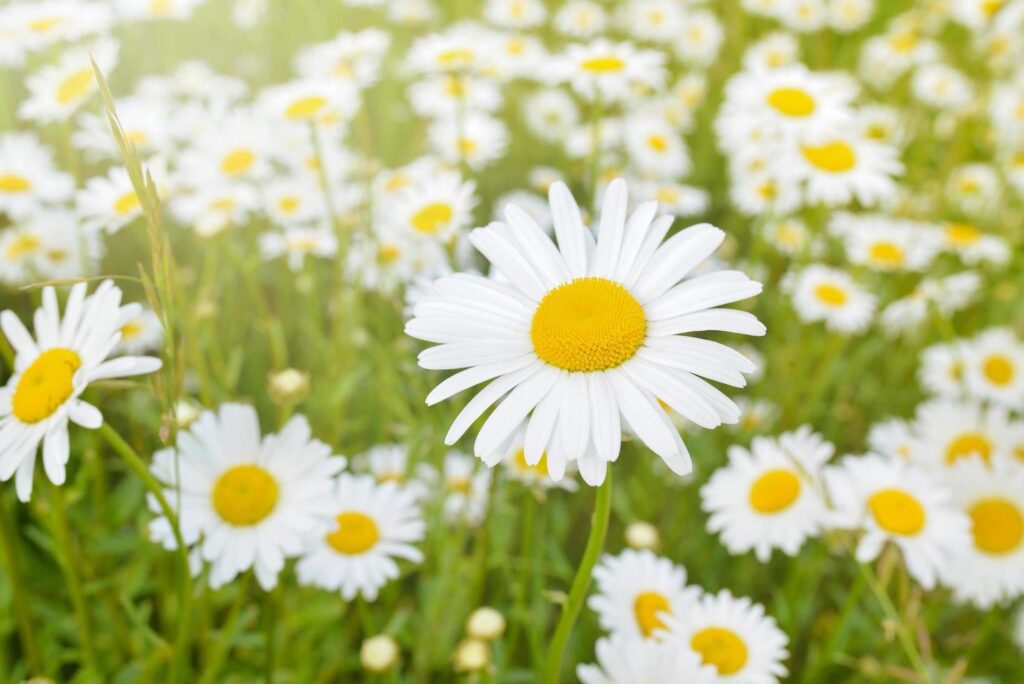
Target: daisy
x: 141, y: 332
x: 349, y: 56
x: 38, y: 24
x: 892, y: 438
x: 654, y: 20
x: 788, y: 235
x: 244, y: 500
x: 535, y: 476
x: 437, y: 208
x: 610, y: 71
x: 550, y: 114
x: 57, y: 91
x: 178, y: 10
x: 774, y: 50
x: 654, y: 147
x: 974, y: 187
x: 323, y: 101
x: 477, y: 140
x: 627, y: 659
x: 144, y: 122
x: 108, y: 203
x: 734, y: 636
x: 942, y: 369
x: 386, y: 462
x: 700, y: 38
x: 465, y: 488
x: 822, y: 293
x: 374, y: 524
x: 841, y: 166
x: 392, y: 258
x: 464, y: 48
x: 884, y: 244
x: 28, y: 176
x: 449, y: 96
x: 994, y: 367
x: 973, y: 246
x: 51, y: 370
x: 948, y: 432
x: 298, y: 242
x: 636, y: 591
x: 533, y: 204
x: 893, y: 501
x: 846, y: 16
x: 515, y: 13
x: 992, y: 570
x: 292, y: 201
x: 585, y: 336
x: 672, y: 198
x: 768, y: 497
x: 233, y: 148
x: 580, y: 19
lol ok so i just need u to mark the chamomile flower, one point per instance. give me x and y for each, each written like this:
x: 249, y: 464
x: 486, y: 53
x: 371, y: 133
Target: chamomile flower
x: 140, y: 332
x: 57, y: 91
x: 948, y: 432
x: 515, y: 13
x: 654, y: 20
x: 994, y: 367
x: 51, y: 370
x: 654, y: 147
x: 298, y: 242
x: 177, y: 10
x: 788, y: 235
x: 822, y: 293
x: 144, y: 122
x: 465, y: 489
x: 449, y: 96
x: 884, y: 244
x: 768, y: 497
x: 839, y: 167
x: 773, y: 51
x: 973, y: 187
x: 323, y: 101
x: 942, y: 87
x: 700, y: 38
x: 234, y: 148
x: 246, y: 500
x: 974, y: 246
x: 636, y: 591
x: 290, y: 202
x: 610, y: 71
x: 628, y: 659
x: 478, y: 140
x: 349, y: 56
x: 550, y: 114
x: 535, y: 476
x: 437, y: 208
x: 992, y: 569
x: 892, y: 438
x: 374, y: 525
x: 849, y: 15
x: 580, y: 19
x: 386, y: 462
x: 894, y: 501
x: 672, y: 198
x: 734, y: 636
x: 585, y: 337
x: 28, y: 176
x: 108, y: 203
x: 942, y: 369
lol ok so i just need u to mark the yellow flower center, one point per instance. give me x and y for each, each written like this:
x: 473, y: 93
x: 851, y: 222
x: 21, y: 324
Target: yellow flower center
x: 990, y: 7
x: 720, y: 647
x: 237, y: 162
x: 388, y: 254
x: 541, y: 467
x: 14, y: 184
x: 131, y: 330
x: 969, y: 444
x: 126, y: 203
x: 467, y: 146
x: 647, y: 607
x: 961, y: 234
x: 245, y: 495
x: 774, y: 491
x: 306, y: 107
x: 46, y: 24
x: 75, y: 86
x: 288, y: 205
x: 829, y: 294
x: 588, y: 324
x: 667, y: 195
x: 455, y: 57
x: 886, y: 253
x: 998, y: 526
x: 460, y: 484
x: 432, y: 218
x: 22, y: 246
x: 357, y: 533
x: 897, y: 512
x: 833, y: 157
x: 999, y: 369
x: 658, y: 143
x: 603, y: 65
x: 791, y: 102
x: 45, y: 385
x: 160, y: 7
x: 903, y: 42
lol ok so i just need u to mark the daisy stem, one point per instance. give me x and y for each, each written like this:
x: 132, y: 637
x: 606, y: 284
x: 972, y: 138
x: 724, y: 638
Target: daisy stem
x: 138, y: 466
x: 902, y: 631
x: 8, y: 542
x: 211, y: 668
x: 524, y: 567
x: 269, y: 631
x: 67, y: 559
x: 580, y: 583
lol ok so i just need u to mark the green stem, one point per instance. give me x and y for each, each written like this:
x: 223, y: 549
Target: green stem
x: 179, y: 668
x: 8, y: 542
x: 523, y: 568
x: 67, y: 558
x: 580, y: 583
x: 269, y: 631
x: 211, y: 669
x: 902, y: 632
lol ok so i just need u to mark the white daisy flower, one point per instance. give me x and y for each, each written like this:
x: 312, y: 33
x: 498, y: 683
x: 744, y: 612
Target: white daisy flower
x: 177, y: 10
x: 769, y: 497
x: 550, y: 114
x: 628, y: 659
x: 885, y: 244
x: 245, y: 501
x: 973, y: 246
x: 450, y: 96
x: 478, y: 139
x: 942, y: 369
x: 654, y: 147
x: 849, y: 15
x: 774, y: 50
x: 143, y: 120
x: 515, y: 13
x: 536, y: 475
x: 734, y: 636
x: 349, y: 56
x: 438, y: 208
x: 636, y: 591
x: 51, y: 370
x: 141, y: 332
x: 611, y: 71
x: 585, y: 336
x: 28, y: 176
x: 580, y: 19
x: 948, y: 432
x: 108, y: 203
x: 893, y: 501
x: 326, y: 102
x: 841, y: 166
x: 994, y: 368
x: 655, y: 20
x: 292, y: 201
x: 822, y: 293
x: 298, y: 242
x: 700, y: 38
x: 672, y: 198
x: 374, y: 524
x: 892, y: 438
x: 56, y: 91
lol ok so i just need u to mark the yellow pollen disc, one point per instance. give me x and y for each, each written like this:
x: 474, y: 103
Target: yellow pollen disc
x: 886, y: 253
x: 460, y: 484
x: 647, y: 608
x: 833, y: 157
x: 962, y: 234
x: 223, y: 204
x: 306, y: 107
x: 903, y: 42
x: 137, y: 137
x: 45, y: 385
x: 12, y: 184
x: 830, y: 294
x: 791, y: 102
x: 288, y: 204
x: 467, y: 145
x: 722, y: 648
x: 22, y: 245
x: 388, y: 254
x: 658, y: 143
x: 998, y: 526
x: 245, y: 495
x: 130, y: 330
x: 453, y: 87
x: 897, y: 512
x: 237, y: 162
x: 126, y: 203
x: 160, y: 7
x: 990, y: 7
x: 998, y: 369
x: 391, y: 476
x: 588, y: 324
x: 969, y: 444
x: 541, y: 468
x: 667, y: 195
x: 357, y: 533
x: 774, y: 491
x: 603, y: 65
x: 455, y: 57
x: 44, y: 25
x: 75, y: 86
x: 431, y: 218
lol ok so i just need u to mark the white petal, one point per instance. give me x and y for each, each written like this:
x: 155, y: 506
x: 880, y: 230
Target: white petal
x: 674, y: 260
x: 484, y: 398
x: 724, y: 320
x: 510, y: 413
x: 569, y: 229
x: 611, y: 229
x: 18, y: 335
x: 475, y: 375
x: 84, y: 414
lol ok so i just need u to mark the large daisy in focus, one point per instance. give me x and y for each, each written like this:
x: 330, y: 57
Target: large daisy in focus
x: 51, y: 370
x: 587, y: 338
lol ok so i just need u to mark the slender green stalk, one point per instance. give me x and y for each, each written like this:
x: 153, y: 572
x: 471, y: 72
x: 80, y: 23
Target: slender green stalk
x: 8, y: 542
x: 523, y: 570
x: 69, y: 565
x: 211, y: 668
x: 179, y: 668
x: 270, y: 632
x: 581, y: 582
x: 903, y: 633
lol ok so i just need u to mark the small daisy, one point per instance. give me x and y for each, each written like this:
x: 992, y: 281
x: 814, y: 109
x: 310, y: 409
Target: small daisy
x: 773, y: 51
x: 374, y: 524
x: 477, y: 140
x: 768, y: 497
x: 298, y: 242
x: 973, y: 246
x: 515, y: 13
x: 734, y: 636
x: 700, y: 38
x: 28, y: 176
x: 654, y: 147
x: 788, y: 235
x: 349, y: 56
x: 438, y: 208
x: 636, y: 591
x: 893, y: 501
x: 822, y: 293
x: 942, y: 87
x: 892, y: 438
x: 537, y: 475
x: 884, y: 244
x: 246, y: 501
x: 57, y: 91
x: 840, y: 166
x: 325, y: 102
x: 994, y: 367
x: 550, y: 115
x: 51, y: 370
x: 611, y: 71
x: 141, y: 332
x: 942, y: 369
x: 951, y: 431
x: 628, y: 659
x: 108, y: 203
x: 386, y: 462
x: 580, y: 19
x: 464, y: 487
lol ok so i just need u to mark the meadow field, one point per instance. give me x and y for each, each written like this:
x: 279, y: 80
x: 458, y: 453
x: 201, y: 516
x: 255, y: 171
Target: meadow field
x: 512, y: 341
